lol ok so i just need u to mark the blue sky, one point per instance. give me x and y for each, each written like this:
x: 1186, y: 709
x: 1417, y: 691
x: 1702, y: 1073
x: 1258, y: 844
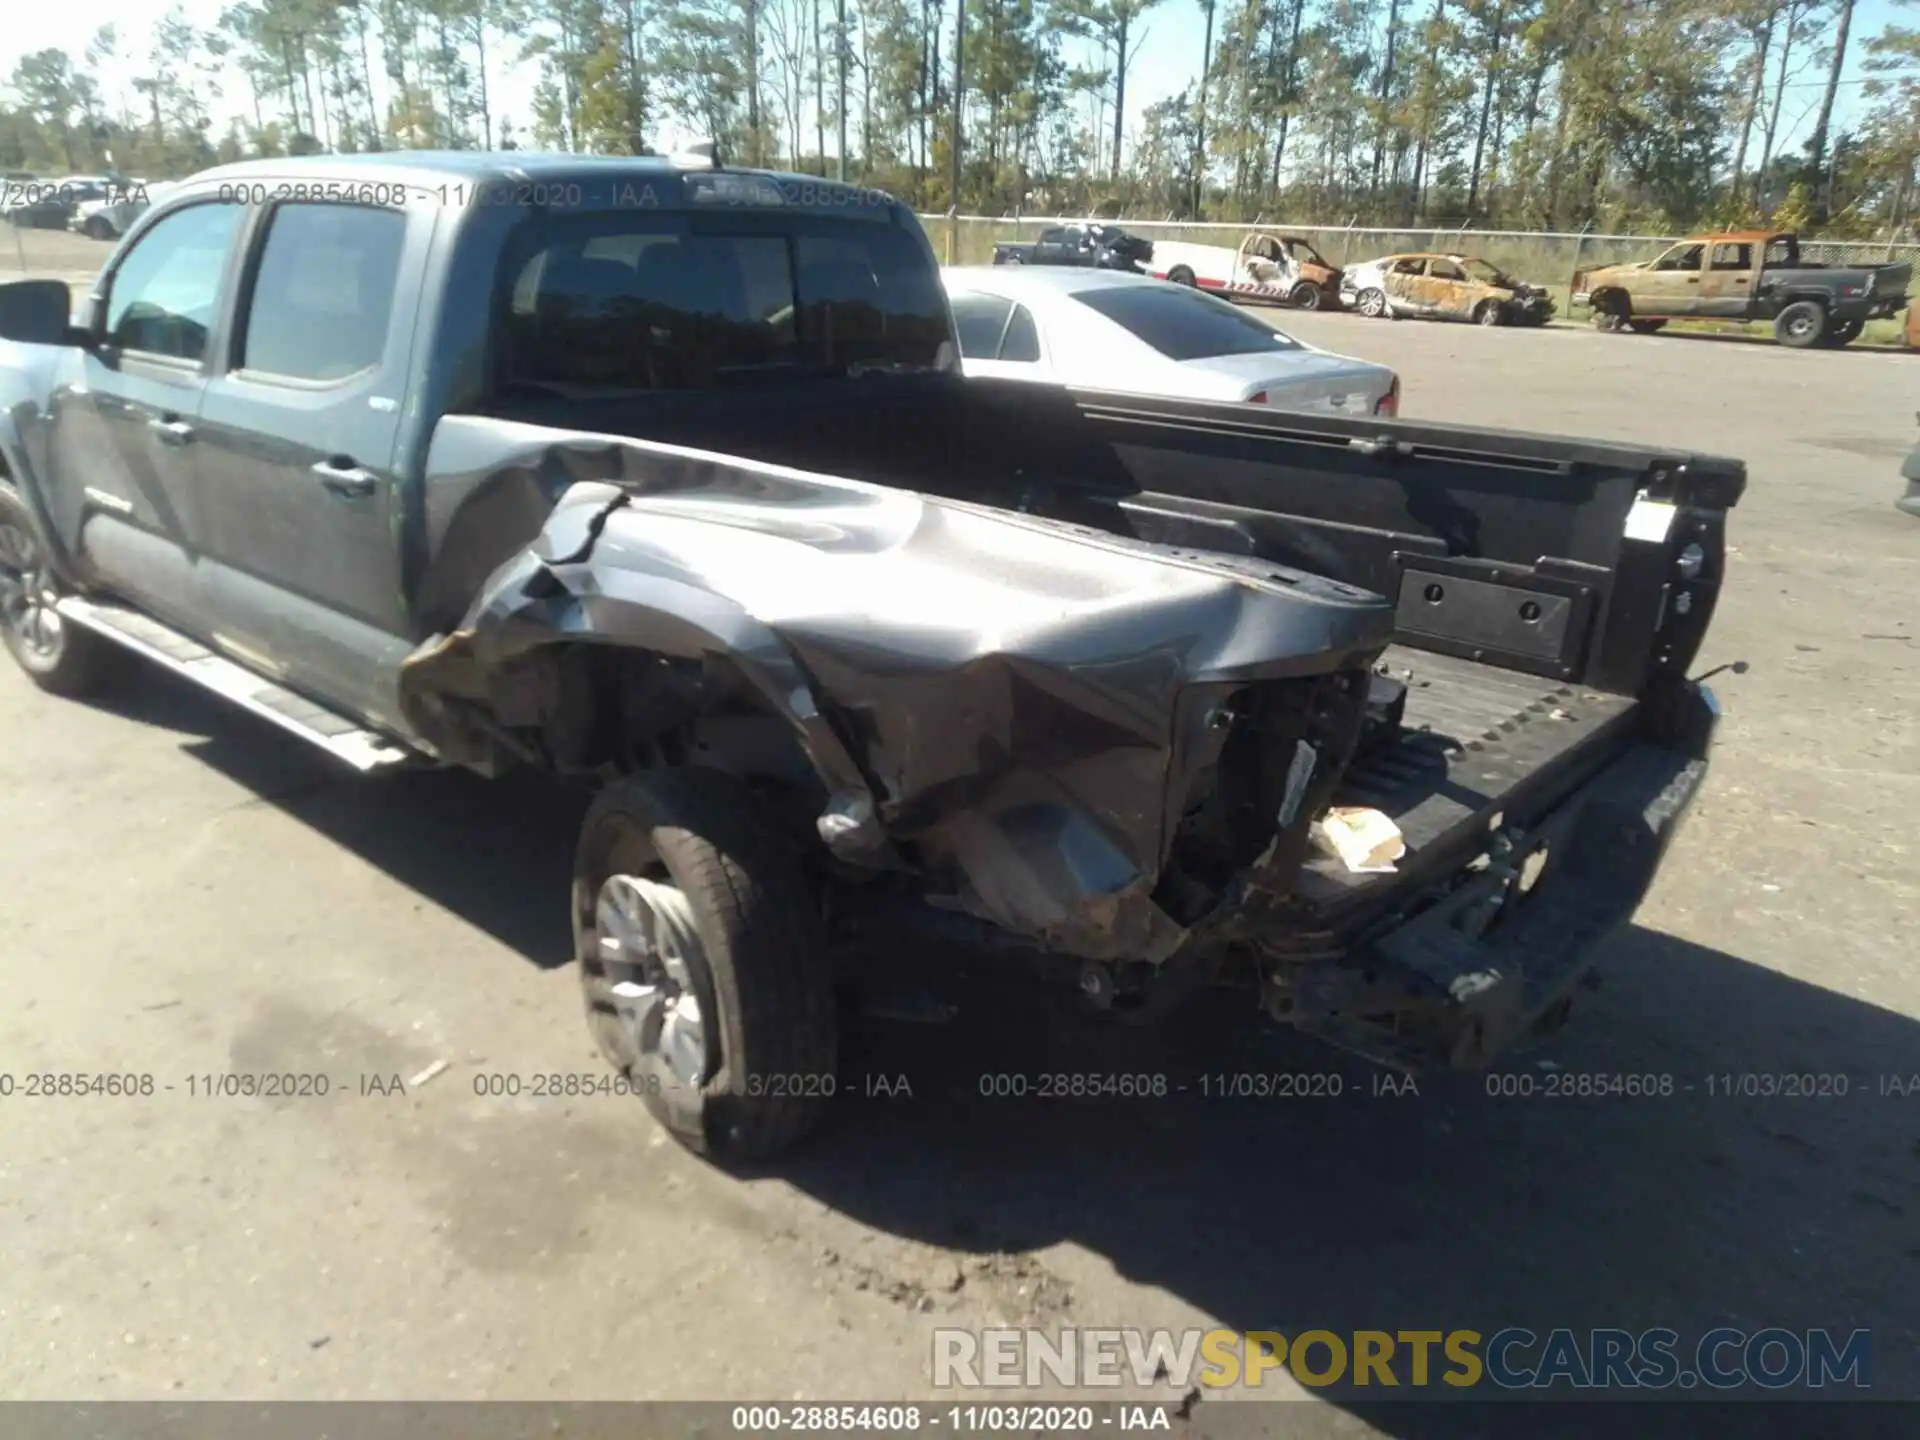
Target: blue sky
x: 1168, y: 59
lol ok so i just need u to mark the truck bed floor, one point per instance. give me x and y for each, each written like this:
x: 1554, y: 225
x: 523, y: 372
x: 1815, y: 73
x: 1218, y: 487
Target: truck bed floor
x: 1477, y: 740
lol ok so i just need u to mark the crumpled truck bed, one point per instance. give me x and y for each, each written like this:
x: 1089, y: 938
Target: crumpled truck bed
x: 1006, y: 704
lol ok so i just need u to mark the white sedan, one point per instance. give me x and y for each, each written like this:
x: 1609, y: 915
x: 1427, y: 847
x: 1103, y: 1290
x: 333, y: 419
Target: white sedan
x: 1106, y: 330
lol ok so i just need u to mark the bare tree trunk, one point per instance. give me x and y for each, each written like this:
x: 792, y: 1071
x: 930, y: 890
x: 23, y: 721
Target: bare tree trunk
x: 840, y: 67
x: 480, y: 71
x: 1779, y: 93
x: 636, y: 80
x: 1487, y: 87
x: 1386, y: 96
x: 753, y: 81
x: 1286, y: 91
x: 1200, y: 117
x: 1817, y: 147
x: 1119, y: 90
x: 1761, y: 46
x: 374, y: 127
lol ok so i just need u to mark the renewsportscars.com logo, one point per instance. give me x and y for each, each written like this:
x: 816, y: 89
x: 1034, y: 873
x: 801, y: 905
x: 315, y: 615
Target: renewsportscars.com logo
x: 1772, y: 1359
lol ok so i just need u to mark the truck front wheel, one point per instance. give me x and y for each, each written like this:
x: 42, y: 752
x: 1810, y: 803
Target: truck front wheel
x: 60, y: 658
x: 703, y: 964
x: 1801, y: 325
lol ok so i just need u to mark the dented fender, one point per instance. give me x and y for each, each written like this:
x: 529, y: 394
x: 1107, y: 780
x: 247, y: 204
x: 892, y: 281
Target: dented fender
x: 998, y: 701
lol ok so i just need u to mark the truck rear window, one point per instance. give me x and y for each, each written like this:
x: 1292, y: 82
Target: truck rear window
x: 621, y: 302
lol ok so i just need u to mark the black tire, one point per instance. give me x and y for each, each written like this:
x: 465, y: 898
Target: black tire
x: 1802, y: 325
x: 1489, y: 313
x: 1307, y: 296
x: 1181, y: 275
x: 98, y: 229
x: 1646, y: 327
x: 1372, y: 302
x: 1843, y: 332
x: 58, y: 656
x: 759, y: 972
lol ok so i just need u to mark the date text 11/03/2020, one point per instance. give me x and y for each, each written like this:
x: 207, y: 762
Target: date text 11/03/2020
x: 1080, y: 1086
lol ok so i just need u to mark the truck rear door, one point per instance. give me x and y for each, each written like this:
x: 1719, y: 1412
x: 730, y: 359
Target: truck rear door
x: 1726, y: 287
x: 295, y: 464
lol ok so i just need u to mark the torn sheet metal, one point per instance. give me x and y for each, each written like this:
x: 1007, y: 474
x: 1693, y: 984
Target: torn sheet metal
x: 992, y: 696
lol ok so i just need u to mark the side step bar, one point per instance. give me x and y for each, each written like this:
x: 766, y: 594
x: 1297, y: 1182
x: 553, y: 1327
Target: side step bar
x: 340, y: 737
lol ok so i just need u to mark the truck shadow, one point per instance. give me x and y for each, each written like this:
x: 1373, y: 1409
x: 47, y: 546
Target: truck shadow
x: 1453, y: 1208
x: 1346, y: 1208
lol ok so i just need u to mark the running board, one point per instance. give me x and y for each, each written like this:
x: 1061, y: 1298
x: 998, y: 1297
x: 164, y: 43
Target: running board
x: 340, y: 737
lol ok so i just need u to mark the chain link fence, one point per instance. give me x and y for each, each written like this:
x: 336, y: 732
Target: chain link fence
x: 1541, y: 257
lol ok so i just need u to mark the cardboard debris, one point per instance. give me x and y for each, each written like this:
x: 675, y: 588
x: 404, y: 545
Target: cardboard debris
x: 1363, y: 840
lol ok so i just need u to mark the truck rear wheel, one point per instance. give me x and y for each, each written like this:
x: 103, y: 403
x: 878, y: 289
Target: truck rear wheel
x: 1646, y: 327
x: 1844, y: 332
x: 702, y: 963
x: 59, y: 657
x: 1181, y: 275
x: 1801, y: 325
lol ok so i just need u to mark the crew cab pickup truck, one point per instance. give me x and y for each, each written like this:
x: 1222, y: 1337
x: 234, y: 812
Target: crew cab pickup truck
x: 1098, y: 247
x: 666, y: 479
x: 1745, y: 275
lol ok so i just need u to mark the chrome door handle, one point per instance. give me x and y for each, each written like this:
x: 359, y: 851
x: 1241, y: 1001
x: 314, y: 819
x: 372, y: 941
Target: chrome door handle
x: 171, y: 429
x: 343, y: 477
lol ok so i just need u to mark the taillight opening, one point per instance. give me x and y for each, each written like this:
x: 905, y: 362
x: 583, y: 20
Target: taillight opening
x: 1389, y: 403
x: 1258, y: 397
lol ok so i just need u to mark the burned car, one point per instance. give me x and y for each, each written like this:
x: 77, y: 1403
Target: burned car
x: 700, y: 512
x: 1444, y: 287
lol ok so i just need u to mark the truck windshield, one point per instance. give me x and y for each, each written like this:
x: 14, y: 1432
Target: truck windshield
x: 620, y: 302
x: 1183, y: 324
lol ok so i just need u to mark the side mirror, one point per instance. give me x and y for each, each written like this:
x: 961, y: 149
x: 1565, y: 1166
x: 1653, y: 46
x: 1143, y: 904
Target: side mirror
x: 37, y: 312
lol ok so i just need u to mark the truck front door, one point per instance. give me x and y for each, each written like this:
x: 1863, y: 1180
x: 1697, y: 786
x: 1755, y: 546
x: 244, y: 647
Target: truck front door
x: 125, y: 444
x: 297, y: 468
x: 1671, y: 284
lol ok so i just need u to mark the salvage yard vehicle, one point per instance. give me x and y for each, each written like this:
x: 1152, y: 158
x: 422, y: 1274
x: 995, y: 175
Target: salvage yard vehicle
x: 1267, y: 265
x: 1126, y: 332
x: 1445, y: 287
x: 1745, y: 275
x: 476, y: 461
x: 1099, y: 247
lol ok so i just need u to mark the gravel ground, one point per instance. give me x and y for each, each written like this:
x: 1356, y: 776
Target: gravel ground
x: 189, y: 893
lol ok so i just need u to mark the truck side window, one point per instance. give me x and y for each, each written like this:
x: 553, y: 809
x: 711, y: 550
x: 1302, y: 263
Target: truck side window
x: 606, y: 303
x: 1731, y: 257
x: 980, y: 320
x: 163, y: 298
x: 1021, y: 341
x: 323, y: 293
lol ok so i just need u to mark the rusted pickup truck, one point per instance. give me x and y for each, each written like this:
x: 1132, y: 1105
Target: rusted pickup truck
x: 1745, y: 275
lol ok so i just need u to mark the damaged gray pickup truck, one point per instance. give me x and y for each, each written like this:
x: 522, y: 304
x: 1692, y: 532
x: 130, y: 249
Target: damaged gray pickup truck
x: 663, y: 477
